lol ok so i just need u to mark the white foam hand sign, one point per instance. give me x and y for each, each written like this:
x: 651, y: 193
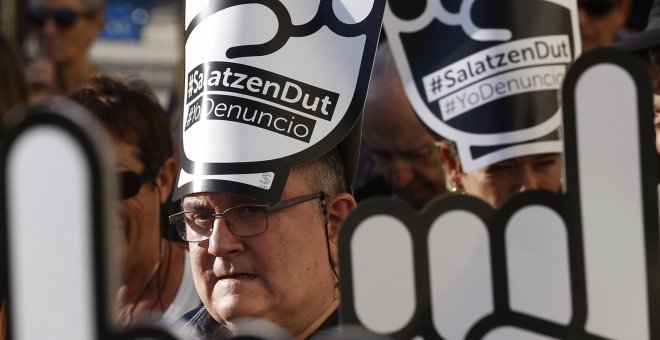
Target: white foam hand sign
x: 583, y: 265
x: 56, y: 229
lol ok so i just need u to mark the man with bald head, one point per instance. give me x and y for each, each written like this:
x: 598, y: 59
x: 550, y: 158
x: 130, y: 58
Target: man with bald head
x: 407, y: 152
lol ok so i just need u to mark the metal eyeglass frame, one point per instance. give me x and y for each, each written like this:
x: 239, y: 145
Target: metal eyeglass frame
x: 267, y: 209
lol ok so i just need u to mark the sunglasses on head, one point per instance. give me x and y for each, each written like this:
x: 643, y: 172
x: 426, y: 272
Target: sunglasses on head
x: 597, y: 7
x: 63, y: 18
x: 131, y: 183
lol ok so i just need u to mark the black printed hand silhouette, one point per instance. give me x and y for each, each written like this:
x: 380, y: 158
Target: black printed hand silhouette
x: 494, y: 92
x: 325, y: 16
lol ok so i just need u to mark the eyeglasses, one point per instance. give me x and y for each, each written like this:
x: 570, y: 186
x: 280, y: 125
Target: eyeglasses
x: 242, y: 220
x: 131, y: 183
x: 425, y: 154
x: 63, y: 18
x: 597, y: 8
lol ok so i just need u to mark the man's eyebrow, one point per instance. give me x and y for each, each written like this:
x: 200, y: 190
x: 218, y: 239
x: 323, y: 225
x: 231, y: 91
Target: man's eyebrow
x: 505, y: 162
x: 547, y: 155
x: 194, y: 205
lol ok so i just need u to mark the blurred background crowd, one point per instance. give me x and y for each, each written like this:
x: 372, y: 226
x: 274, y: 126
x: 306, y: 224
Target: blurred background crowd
x: 141, y: 38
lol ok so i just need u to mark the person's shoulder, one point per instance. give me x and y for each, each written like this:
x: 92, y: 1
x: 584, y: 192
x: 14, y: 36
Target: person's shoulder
x: 329, y: 326
x: 198, y: 324
x: 194, y: 323
x: 192, y: 314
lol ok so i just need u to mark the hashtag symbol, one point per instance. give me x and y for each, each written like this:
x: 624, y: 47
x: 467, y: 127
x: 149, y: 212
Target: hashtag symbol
x: 436, y: 84
x: 450, y: 106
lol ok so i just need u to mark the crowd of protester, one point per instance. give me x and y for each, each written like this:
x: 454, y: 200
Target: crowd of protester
x: 297, y: 291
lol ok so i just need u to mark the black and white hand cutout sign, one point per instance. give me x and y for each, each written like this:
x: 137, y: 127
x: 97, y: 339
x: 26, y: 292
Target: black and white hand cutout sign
x: 270, y: 85
x: 486, y: 74
x: 57, y: 227
x: 582, y: 265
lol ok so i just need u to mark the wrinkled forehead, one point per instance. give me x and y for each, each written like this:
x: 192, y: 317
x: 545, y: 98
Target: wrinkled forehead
x: 300, y: 182
x: 409, y: 132
x: 528, y: 159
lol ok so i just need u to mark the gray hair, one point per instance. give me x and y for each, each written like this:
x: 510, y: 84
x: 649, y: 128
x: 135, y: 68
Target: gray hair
x: 326, y: 173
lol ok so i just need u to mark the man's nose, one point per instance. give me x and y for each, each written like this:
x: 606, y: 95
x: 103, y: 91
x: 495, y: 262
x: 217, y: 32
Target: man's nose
x: 222, y: 243
x: 400, y: 172
x: 49, y: 27
x: 528, y: 180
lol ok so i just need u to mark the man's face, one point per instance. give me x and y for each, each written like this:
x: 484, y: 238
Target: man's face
x: 408, y: 154
x: 68, y: 29
x: 282, y: 275
x: 498, y: 182
x: 600, y: 20
x: 651, y: 60
x: 656, y: 121
x: 140, y: 216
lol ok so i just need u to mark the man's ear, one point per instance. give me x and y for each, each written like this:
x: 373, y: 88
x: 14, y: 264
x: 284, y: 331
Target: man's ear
x: 338, y: 207
x: 451, y: 164
x: 165, y: 178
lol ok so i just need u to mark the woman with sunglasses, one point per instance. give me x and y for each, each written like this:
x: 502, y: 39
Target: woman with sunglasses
x: 64, y: 32
x: 156, y: 280
x: 601, y: 21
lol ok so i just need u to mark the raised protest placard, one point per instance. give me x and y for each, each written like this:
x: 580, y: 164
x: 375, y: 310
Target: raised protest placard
x: 582, y: 265
x: 486, y: 74
x: 271, y: 85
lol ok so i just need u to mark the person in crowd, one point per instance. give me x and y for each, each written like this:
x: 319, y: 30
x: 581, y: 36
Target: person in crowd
x: 14, y: 92
x: 276, y: 262
x: 602, y: 21
x: 12, y: 80
x: 156, y: 280
x: 64, y: 31
x: 646, y: 46
x: 407, y: 152
x: 499, y: 181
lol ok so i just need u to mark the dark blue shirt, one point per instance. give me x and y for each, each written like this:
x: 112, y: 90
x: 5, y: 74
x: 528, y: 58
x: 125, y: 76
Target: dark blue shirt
x: 199, y: 325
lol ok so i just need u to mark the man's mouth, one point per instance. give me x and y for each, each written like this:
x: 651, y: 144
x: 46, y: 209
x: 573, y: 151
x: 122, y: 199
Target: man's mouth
x: 238, y: 276
x: 413, y: 190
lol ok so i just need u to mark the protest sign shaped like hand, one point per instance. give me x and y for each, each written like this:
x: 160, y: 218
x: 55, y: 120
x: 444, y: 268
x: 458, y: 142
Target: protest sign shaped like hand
x: 57, y: 227
x: 270, y: 85
x: 486, y: 74
x: 583, y: 265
